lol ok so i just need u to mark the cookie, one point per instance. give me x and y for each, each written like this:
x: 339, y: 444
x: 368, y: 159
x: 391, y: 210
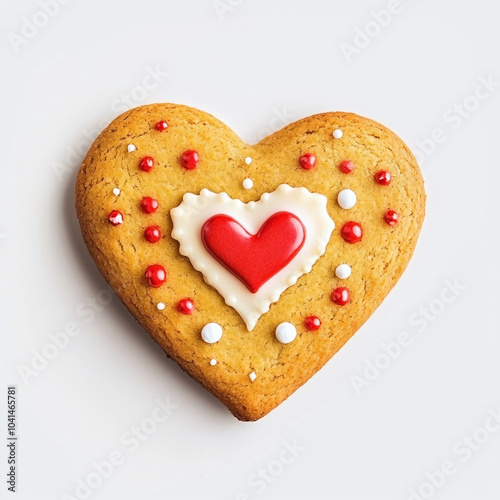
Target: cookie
x: 251, y: 266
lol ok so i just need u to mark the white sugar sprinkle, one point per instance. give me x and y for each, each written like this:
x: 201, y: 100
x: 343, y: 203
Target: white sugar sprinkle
x: 130, y: 148
x: 286, y: 332
x: 346, y: 198
x: 116, y: 191
x: 252, y: 376
x: 248, y: 183
x: 337, y: 133
x: 343, y: 271
x: 160, y: 306
x: 213, y: 362
x: 248, y: 160
x: 211, y: 333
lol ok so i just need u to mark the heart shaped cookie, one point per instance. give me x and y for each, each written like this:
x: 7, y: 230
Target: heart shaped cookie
x: 251, y: 266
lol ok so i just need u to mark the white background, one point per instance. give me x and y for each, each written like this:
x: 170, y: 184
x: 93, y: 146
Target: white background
x: 256, y: 65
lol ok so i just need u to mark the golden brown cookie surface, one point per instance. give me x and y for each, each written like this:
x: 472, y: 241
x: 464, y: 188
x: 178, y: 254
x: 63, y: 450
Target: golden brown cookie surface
x: 123, y: 253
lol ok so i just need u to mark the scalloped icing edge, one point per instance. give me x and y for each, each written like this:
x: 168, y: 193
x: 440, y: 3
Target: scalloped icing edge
x: 189, y: 217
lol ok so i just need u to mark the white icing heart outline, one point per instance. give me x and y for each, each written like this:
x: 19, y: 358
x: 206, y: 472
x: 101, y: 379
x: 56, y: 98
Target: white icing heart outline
x: 194, y: 210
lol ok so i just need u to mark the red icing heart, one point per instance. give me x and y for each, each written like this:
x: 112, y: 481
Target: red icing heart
x: 254, y: 259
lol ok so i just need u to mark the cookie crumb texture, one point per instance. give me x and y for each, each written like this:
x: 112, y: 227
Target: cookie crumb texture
x: 122, y: 253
